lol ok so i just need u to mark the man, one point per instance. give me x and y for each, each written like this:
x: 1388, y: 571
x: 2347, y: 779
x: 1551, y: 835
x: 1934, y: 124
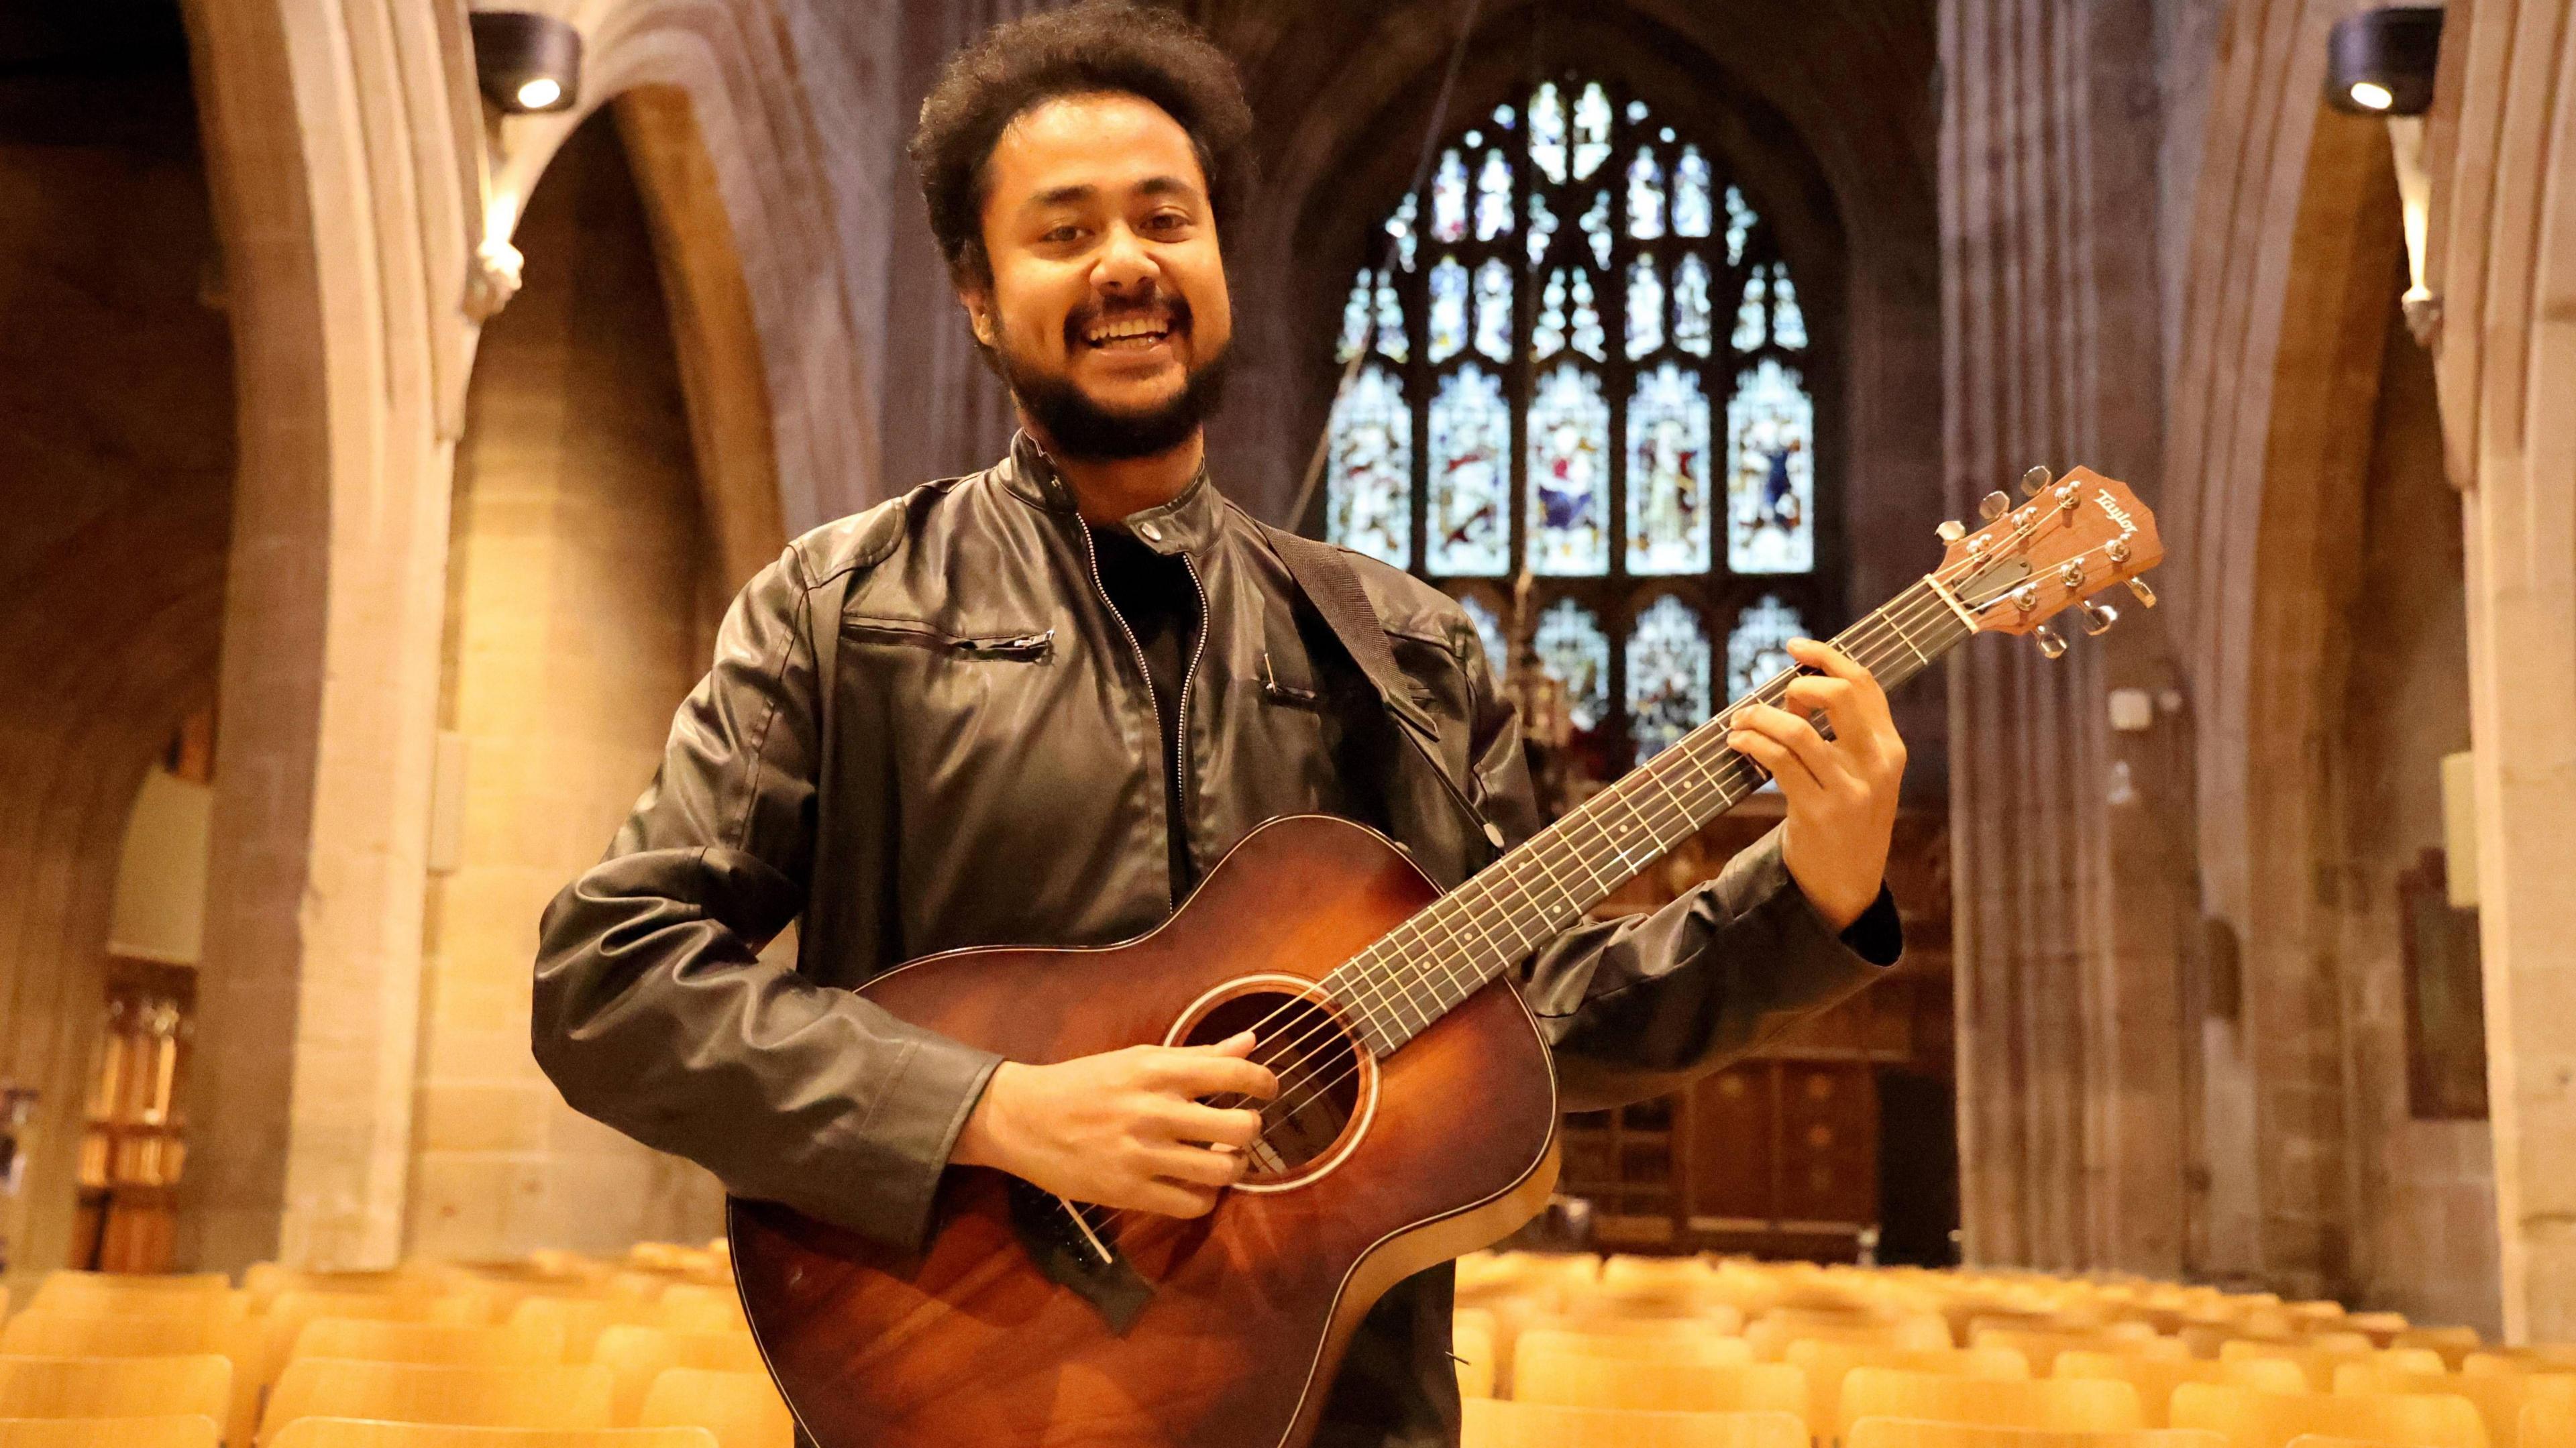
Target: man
x: 1032, y: 705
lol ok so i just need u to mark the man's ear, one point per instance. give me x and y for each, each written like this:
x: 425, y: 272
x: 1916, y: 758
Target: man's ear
x: 978, y: 302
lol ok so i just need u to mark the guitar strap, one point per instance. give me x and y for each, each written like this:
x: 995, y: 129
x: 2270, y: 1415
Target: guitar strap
x: 1326, y: 578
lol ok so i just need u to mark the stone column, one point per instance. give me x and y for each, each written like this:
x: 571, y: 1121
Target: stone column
x: 2505, y: 271
x: 2065, y: 851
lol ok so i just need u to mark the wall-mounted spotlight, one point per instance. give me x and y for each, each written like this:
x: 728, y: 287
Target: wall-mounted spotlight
x: 2380, y: 62
x: 526, y: 61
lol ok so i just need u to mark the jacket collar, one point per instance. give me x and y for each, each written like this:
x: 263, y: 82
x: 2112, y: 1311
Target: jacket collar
x: 1186, y: 524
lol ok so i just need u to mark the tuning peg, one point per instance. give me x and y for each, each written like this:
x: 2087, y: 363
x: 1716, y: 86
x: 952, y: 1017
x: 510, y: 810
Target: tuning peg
x: 2098, y: 618
x: 2146, y: 595
x: 1951, y: 532
x: 2050, y: 645
x: 1994, y: 506
x: 2034, y: 480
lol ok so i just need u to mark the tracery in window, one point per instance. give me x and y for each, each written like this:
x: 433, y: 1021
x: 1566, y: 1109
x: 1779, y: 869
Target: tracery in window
x: 1576, y: 432
x: 1758, y: 648
x: 1470, y: 514
x: 1369, y: 500
x: 1668, y: 676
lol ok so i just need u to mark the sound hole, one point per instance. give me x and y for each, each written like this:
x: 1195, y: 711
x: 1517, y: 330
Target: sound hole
x: 1318, y: 1066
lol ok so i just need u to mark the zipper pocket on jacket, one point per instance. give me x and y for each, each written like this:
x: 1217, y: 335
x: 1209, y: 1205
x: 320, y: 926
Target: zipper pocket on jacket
x: 1029, y: 648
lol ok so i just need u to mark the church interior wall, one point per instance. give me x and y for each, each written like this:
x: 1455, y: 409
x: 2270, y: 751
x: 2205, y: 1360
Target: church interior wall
x: 117, y: 444
x: 575, y: 626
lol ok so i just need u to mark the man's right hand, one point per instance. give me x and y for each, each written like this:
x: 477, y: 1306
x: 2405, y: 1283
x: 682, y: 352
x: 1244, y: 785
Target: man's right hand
x: 1122, y: 1128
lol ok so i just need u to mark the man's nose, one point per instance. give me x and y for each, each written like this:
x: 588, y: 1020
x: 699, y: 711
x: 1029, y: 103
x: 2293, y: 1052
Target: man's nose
x: 1126, y: 267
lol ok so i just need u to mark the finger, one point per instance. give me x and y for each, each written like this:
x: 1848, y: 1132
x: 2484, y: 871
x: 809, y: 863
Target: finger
x: 1796, y: 781
x: 1195, y: 1166
x: 1238, y: 1044
x: 1867, y: 702
x: 1190, y: 1121
x: 1173, y: 1199
x: 1202, y: 1073
x: 1794, y: 733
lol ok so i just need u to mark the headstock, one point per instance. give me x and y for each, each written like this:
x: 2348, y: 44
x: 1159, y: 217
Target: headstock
x: 2068, y: 539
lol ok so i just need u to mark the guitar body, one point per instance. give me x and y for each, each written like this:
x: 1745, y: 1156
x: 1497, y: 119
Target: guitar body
x: 1009, y: 1328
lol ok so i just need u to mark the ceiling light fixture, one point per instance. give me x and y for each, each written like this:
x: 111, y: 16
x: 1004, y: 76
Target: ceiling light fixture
x: 526, y: 62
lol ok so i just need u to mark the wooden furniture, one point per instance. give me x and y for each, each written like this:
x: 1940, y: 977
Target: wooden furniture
x: 1492, y: 1424
x: 742, y: 1410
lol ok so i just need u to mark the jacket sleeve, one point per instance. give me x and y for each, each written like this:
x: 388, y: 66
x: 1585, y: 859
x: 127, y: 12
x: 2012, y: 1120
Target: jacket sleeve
x: 653, y: 1012
x: 1639, y: 1006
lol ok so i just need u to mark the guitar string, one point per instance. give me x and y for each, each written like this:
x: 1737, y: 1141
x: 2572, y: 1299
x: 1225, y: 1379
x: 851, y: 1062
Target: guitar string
x: 1888, y: 616
x: 1732, y: 770
x: 1885, y: 621
x: 1708, y: 778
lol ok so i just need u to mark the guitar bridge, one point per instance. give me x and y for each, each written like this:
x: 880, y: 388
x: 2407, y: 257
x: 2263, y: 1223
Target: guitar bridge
x: 1074, y: 1252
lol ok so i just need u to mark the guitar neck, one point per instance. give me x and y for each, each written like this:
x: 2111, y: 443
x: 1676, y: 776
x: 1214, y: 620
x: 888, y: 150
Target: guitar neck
x: 1444, y: 954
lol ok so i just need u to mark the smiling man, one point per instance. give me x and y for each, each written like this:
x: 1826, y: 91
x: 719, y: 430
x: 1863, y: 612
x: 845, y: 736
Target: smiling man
x: 1032, y: 705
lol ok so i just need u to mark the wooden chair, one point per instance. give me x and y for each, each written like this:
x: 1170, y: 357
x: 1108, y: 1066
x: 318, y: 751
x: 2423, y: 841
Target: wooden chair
x: 1826, y: 1364
x: 2319, y: 1364
x: 2252, y: 1418
x: 1471, y: 1342
x: 1772, y: 1335
x: 2156, y: 1378
x: 2040, y: 1346
x: 694, y: 1307
x: 49, y: 1333
x: 1581, y: 1380
x: 561, y: 1396
x: 581, y: 1320
x: 1919, y: 1433
x: 2063, y: 1404
x: 1494, y: 1424
x: 436, y: 1344
x: 742, y: 1410
x: 2547, y: 1424
x: 179, y: 1431
x: 95, y: 1294
x: 98, y: 1387
x: 1687, y: 1343
x: 365, y: 1433
x: 2500, y: 1400
x: 68, y: 1285
x: 635, y: 1356
x: 2516, y: 1360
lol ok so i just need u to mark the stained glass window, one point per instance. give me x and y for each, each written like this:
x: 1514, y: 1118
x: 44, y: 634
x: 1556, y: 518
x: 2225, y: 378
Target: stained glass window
x: 1645, y: 195
x: 1494, y: 310
x: 1542, y: 228
x: 1758, y: 649
x: 1739, y: 226
x: 1591, y: 130
x: 1448, y: 309
x: 1369, y: 505
x: 1668, y: 676
x: 1569, y: 470
x: 1771, y: 481
x: 1690, y: 193
x: 1470, y: 514
x: 1596, y: 229
x: 1645, y: 308
x: 1489, y: 632
x: 1668, y: 473
x: 1788, y: 323
x: 1449, y: 199
x: 1608, y: 389
x: 1575, y: 653
x: 1690, y: 306
x: 1749, y: 323
x: 1493, y: 197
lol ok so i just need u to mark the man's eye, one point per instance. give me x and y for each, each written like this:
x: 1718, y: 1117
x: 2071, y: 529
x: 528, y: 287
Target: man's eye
x: 1062, y: 233
x: 1168, y: 221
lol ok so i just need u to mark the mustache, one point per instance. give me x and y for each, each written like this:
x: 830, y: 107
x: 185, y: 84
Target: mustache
x: 1172, y: 309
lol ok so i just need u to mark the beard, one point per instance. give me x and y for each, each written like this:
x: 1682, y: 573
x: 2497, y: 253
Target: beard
x: 1080, y: 427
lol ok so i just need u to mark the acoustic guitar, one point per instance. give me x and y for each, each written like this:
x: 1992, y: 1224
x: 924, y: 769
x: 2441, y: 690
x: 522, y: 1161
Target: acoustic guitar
x: 1417, y: 1110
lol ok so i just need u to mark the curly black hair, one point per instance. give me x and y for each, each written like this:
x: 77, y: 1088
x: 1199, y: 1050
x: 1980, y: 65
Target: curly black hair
x: 1084, y: 49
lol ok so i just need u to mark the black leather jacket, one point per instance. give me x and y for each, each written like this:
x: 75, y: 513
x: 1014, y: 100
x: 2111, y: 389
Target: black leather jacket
x: 926, y: 728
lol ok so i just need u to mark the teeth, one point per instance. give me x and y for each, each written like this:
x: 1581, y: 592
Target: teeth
x: 1117, y: 331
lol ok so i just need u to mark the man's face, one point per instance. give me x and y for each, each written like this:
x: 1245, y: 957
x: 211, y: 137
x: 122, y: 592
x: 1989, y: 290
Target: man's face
x: 1107, y: 307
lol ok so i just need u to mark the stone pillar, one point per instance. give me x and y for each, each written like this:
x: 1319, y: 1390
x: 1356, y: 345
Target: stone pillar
x: 2505, y: 271
x: 2066, y: 854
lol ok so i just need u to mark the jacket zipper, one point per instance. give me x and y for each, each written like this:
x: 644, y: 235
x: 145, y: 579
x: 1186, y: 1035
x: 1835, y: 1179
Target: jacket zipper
x: 1017, y: 646
x: 1181, y: 751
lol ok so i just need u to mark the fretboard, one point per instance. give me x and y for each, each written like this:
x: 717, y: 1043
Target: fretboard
x: 1420, y: 970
